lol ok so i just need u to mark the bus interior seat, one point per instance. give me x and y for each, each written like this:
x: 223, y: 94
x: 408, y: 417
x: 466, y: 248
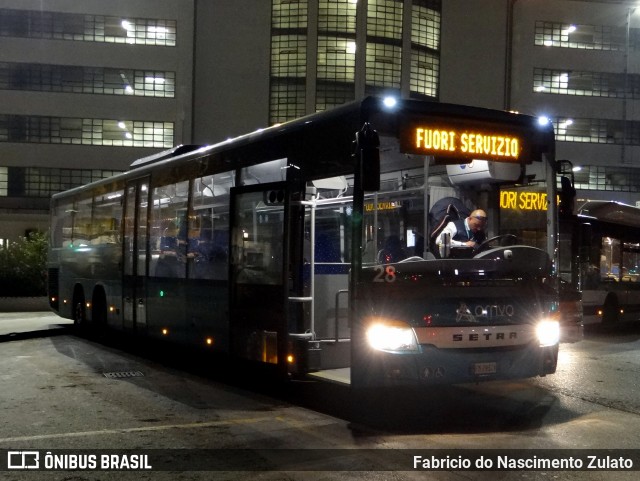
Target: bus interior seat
x: 450, y: 214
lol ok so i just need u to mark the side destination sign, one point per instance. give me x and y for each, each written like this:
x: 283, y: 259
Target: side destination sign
x: 462, y: 141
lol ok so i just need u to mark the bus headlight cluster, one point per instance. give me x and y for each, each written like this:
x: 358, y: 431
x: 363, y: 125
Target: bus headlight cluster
x: 548, y: 332
x: 394, y: 336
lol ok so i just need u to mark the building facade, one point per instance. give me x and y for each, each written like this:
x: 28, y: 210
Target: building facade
x: 578, y: 63
x: 88, y: 87
x: 85, y: 88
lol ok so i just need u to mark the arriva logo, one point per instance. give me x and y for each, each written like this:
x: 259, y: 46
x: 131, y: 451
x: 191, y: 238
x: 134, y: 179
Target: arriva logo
x: 495, y: 310
x: 489, y: 311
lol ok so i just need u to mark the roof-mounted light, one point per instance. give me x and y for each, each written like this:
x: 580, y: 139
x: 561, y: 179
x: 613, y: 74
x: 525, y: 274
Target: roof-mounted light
x: 390, y: 102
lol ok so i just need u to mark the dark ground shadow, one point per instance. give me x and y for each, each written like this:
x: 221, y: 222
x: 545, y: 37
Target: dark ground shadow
x: 492, y: 407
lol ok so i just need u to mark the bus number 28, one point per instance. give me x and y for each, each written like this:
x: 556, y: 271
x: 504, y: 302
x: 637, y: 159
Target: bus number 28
x: 385, y: 274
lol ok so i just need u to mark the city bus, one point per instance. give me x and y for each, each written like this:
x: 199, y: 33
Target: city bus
x: 308, y: 249
x: 605, y: 248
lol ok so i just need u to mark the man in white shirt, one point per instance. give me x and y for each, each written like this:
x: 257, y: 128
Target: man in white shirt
x: 467, y: 232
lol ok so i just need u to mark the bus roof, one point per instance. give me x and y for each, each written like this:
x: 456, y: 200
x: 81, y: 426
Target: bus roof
x: 327, y: 137
x: 613, y: 212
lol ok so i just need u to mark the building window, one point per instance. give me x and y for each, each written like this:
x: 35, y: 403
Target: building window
x: 44, y: 182
x: 337, y: 16
x: 597, y: 131
x: 384, y: 19
x: 289, y: 14
x: 287, y: 100
x: 336, y: 59
x: 78, y: 131
x: 589, y: 37
x: 383, y: 65
x: 425, y: 24
x: 288, y: 60
x: 4, y: 181
x: 621, y: 179
x: 88, y: 80
x: 86, y: 28
x: 332, y: 94
x: 288, y: 74
x: 289, y: 56
x: 425, y: 67
x: 425, y: 42
x: 591, y: 84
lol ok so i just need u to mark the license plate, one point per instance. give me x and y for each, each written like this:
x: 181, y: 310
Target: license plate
x: 480, y: 368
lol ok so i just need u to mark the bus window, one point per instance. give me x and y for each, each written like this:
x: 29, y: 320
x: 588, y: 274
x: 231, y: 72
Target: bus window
x: 62, y: 234
x: 209, y: 233
x: 168, y: 223
x: 630, y: 262
x: 258, y: 240
x: 107, y: 216
x: 272, y: 171
x: 610, y: 260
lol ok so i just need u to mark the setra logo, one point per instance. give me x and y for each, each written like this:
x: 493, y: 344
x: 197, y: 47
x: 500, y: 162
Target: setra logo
x: 23, y: 460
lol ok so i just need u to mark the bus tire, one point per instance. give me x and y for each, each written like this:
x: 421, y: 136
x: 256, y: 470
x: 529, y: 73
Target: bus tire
x: 610, y: 311
x: 79, y: 309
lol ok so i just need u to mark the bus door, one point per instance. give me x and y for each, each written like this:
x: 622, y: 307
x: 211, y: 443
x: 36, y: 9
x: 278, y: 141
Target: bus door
x: 258, y: 274
x: 135, y: 254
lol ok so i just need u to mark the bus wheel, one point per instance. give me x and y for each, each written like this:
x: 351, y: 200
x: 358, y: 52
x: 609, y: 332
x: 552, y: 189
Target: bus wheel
x: 610, y: 311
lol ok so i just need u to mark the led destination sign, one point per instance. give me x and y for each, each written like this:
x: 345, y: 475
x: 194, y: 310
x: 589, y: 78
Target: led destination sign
x: 462, y: 142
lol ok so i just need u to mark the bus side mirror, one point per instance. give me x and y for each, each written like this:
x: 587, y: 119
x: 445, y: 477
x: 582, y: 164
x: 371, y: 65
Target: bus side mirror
x: 567, y: 196
x: 368, y: 157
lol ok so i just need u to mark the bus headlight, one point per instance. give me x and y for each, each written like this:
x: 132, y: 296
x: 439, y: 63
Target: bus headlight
x: 385, y: 335
x: 548, y: 333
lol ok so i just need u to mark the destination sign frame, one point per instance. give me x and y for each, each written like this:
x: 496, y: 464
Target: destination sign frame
x: 455, y: 141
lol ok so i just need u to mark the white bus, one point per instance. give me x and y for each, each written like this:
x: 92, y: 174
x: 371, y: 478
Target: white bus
x: 607, y: 253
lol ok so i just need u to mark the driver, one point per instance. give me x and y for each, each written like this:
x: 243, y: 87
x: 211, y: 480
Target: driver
x: 467, y: 232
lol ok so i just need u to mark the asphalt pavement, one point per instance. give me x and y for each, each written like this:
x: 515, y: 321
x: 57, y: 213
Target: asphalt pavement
x: 22, y: 325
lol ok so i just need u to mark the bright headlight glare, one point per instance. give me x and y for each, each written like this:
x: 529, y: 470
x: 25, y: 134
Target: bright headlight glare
x: 391, y: 337
x: 548, y: 332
